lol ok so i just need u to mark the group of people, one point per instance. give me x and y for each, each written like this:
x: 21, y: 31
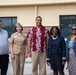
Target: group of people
x: 42, y: 45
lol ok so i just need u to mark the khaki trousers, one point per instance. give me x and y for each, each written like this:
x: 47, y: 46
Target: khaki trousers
x: 18, y: 64
x: 39, y: 58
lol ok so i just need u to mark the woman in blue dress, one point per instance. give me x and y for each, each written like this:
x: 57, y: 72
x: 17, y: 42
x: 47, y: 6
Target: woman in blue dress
x: 56, y: 51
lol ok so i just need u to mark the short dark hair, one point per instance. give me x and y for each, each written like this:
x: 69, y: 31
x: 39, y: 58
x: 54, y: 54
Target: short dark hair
x: 38, y: 17
x: 18, y: 24
x: 56, y: 29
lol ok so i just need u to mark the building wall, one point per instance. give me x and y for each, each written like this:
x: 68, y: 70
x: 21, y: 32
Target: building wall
x: 25, y: 15
x: 49, y: 12
x: 30, y: 2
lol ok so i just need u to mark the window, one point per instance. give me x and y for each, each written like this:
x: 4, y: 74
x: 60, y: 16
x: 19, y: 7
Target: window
x: 8, y: 24
x: 66, y: 22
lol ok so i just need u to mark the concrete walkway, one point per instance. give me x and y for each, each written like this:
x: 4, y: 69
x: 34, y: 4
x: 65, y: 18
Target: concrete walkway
x: 28, y: 68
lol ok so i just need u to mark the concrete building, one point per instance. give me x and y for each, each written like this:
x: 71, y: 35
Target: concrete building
x: 61, y: 13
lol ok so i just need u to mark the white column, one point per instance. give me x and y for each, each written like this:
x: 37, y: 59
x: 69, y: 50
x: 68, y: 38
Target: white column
x: 36, y: 11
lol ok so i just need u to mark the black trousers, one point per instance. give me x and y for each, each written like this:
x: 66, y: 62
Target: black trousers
x: 4, y: 60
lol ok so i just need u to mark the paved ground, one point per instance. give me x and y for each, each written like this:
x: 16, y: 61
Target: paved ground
x: 28, y: 67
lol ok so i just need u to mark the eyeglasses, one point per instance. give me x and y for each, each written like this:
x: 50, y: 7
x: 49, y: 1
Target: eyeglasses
x: 54, y: 31
x: 73, y: 28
